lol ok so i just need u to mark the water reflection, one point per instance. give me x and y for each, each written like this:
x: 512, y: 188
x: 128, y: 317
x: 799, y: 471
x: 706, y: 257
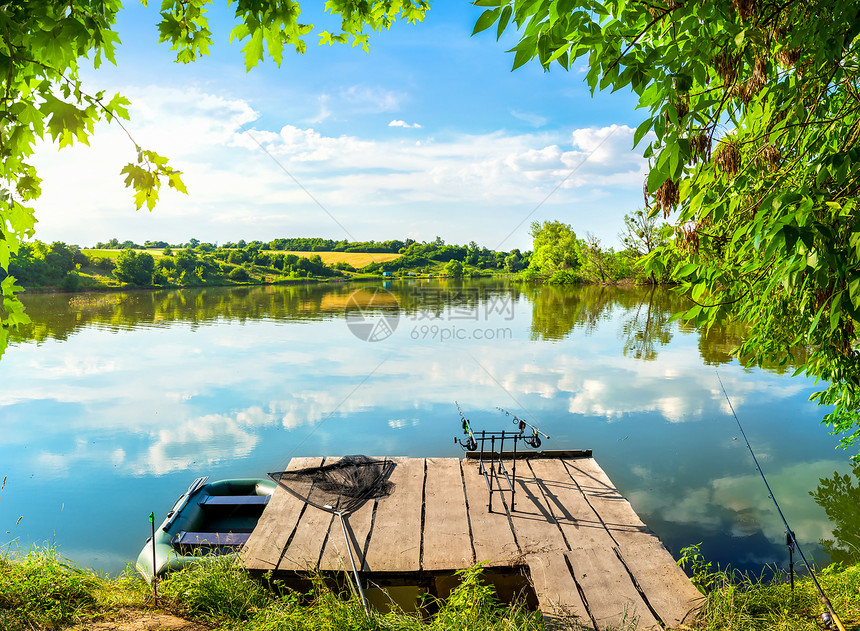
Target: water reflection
x: 129, y: 395
x: 839, y: 496
x: 646, y: 327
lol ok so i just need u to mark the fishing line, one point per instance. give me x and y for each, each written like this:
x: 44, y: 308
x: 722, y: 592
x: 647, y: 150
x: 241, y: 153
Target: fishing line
x: 789, y: 532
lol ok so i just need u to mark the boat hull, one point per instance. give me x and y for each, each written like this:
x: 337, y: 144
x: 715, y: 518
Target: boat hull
x: 209, y: 519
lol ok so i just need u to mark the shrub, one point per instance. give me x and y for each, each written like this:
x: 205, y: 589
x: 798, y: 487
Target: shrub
x: 239, y: 274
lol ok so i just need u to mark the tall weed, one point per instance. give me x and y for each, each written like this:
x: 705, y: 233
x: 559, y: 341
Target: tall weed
x: 41, y: 588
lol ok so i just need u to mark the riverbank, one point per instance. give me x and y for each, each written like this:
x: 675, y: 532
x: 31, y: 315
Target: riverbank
x: 42, y: 591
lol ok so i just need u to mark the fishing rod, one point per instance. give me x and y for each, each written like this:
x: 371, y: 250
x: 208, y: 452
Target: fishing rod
x: 470, y: 444
x: 830, y: 615
x: 534, y: 439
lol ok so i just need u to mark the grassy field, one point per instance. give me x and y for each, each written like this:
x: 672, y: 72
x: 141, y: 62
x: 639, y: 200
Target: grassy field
x: 356, y: 259
x: 112, y: 254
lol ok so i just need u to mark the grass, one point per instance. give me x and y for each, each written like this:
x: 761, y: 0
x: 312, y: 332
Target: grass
x: 224, y: 595
x: 113, y: 254
x: 736, y: 602
x: 750, y: 604
x: 356, y: 259
x: 42, y: 591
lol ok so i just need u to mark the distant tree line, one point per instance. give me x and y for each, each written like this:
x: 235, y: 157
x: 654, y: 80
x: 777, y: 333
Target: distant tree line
x: 560, y: 257
x: 206, y: 265
x: 196, y: 263
x: 295, y: 244
x: 417, y: 255
x: 37, y: 264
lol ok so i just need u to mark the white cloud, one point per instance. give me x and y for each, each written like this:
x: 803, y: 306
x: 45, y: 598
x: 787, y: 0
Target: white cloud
x: 745, y: 498
x: 400, y: 123
x: 246, y: 175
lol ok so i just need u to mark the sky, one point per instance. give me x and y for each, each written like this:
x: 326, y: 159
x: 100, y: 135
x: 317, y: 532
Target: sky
x: 428, y: 134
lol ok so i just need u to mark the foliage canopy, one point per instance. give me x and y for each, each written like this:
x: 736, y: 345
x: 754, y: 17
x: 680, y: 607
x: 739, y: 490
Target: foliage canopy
x: 753, y: 112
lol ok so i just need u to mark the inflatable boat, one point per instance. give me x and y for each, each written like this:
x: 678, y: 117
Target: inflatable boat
x: 210, y: 518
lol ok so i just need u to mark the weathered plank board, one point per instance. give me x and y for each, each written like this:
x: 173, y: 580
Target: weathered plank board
x: 266, y: 544
x: 335, y: 556
x: 610, y: 595
x: 395, y: 541
x: 304, y: 550
x: 668, y: 590
x: 557, y: 593
x: 492, y: 537
x: 447, y: 535
x: 532, y: 520
x: 580, y: 524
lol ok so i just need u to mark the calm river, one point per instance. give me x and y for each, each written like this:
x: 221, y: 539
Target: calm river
x: 113, y: 403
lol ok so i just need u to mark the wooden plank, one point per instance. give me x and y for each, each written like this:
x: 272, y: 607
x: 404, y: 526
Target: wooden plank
x: 668, y: 590
x: 557, y: 593
x: 304, y: 550
x: 610, y: 596
x: 618, y: 516
x: 447, y: 544
x: 532, y: 520
x: 580, y: 524
x: 276, y: 524
x: 492, y: 536
x: 395, y: 541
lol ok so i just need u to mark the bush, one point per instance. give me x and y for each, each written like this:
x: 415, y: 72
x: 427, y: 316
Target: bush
x: 71, y: 282
x: 562, y: 277
x: 135, y: 267
x: 530, y: 274
x: 239, y: 274
x: 105, y: 264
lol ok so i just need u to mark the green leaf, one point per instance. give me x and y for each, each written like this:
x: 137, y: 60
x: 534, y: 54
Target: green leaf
x: 503, y: 21
x: 487, y: 19
x: 656, y: 177
x: 253, y: 49
x: 643, y: 128
x: 854, y: 290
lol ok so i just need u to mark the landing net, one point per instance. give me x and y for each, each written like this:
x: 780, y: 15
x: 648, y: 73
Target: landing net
x: 340, y: 487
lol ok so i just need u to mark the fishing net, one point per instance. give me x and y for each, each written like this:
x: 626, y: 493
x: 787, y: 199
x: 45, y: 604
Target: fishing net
x: 339, y: 487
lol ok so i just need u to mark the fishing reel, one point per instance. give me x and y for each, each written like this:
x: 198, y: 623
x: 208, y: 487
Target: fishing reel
x: 533, y: 440
x: 470, y: 444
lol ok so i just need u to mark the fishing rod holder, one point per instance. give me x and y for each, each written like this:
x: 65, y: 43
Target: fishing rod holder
x: 491, y: 463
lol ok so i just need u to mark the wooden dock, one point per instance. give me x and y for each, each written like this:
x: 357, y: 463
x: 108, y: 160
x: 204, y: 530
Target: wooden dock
x: 588, y: 554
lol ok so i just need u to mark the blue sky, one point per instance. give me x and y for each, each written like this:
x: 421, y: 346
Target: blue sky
x: 429, y: 134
